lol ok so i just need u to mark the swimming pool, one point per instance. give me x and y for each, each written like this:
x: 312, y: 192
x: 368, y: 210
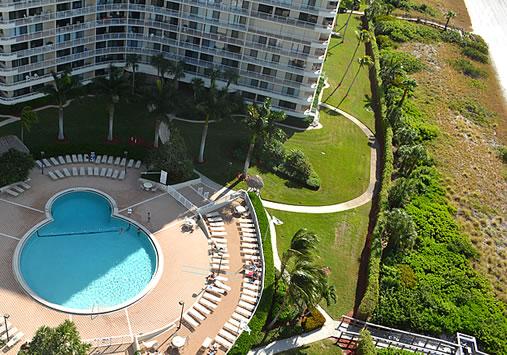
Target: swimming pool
x: 86, y: 260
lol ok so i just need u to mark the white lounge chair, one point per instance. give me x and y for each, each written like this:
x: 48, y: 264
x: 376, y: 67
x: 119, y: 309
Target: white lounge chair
x: 250, y: 293
x: 12, y: 193
x: 97, y: 160
x: 138, y: 164
x: 212, y: 214
x: 109, y: 172
x: 17, y: 337
x: 66, y: 172
x: 217, y: 234
x: 39, y: 163
x: 54, y: 161
x: 90, y: 171
x: 52, y: 175
x: 103, y: 172
x: 232, y: 328
x: 74, y: 158
x: 226, y: 335
x: 215, y: 219
x: 222, y: 285
x: 61, y: 160
x: 82, y: 171
x: 117, y: 161
x: 104, y: 159
x: 122, y: 175
x: 123, y: 162
x: 46, y: 162
x: 206, y: 343
x: 80, y: 158
x: 68, y: 159
x: 96, y: 171
x: 110, y: 160
x: 74, y: 171
x: 58, y: 173
x: 210, y: 305
x: 211, y: 298
x: 25, y: 185
x: 13, y: 330
x: 18, y: 189
x: 191, y: 321
x: 245, y: 305
x: 203, y: 310
x: 131, y: 163
x: 115, y: 174
x: 223, y: 342
x: 196, y: 315
x: 217, y: 224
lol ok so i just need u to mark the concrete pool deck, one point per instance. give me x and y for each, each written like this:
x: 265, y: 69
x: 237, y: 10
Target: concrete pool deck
x: 186, y: 262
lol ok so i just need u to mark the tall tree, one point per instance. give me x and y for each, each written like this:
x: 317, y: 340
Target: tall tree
x: 177, y: 71
x: 261, y: 120
x: 197, y: 88
x: 161, y: 64
x: 353, y: 5
x: 62, y: 340
x: 362, y: 37
x: 133, y: 64
x: 60, y: 90
x: 449, y: 15
x: 214, y: 104
x: 362, y: 61
x: 399, y: 231
x: 408, y: 85
x: 27, y: 119
x: 231, y: 77
x: 160, y: 103
x: 113, y: 87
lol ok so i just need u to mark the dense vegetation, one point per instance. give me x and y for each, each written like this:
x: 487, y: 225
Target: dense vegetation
x: 14, y: 166
x: 427, y: 281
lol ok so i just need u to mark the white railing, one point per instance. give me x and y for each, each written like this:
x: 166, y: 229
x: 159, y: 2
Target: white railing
x: 181, y: 199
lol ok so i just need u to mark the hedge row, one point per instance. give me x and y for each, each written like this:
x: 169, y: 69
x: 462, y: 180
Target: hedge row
x: 385, y: 138
x: 246, y: 341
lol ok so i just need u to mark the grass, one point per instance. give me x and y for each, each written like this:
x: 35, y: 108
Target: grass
x: 323, y: 347
x: 338, y: 56
x: 342, y: 238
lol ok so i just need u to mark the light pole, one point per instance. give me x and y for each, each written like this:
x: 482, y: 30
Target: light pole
x: 126, y: 154
x: 6, y: 316
x: 220, y: 263
x: 42, y: 161
x: 182, y: 304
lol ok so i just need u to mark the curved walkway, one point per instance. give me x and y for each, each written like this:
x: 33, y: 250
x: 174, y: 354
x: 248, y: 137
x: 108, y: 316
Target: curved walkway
x: 347, y: 205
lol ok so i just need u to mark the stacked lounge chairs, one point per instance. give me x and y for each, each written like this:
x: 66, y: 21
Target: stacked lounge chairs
x: 16, y: 189
x: 14, y: 335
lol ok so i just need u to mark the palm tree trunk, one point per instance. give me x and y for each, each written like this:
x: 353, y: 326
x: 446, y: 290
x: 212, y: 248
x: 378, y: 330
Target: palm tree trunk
x: 157, y: 128
x: 203, y: 140
x: 61, y: 136
x: 447, y: 23
x: 111, y: 121
x: 346, y: 26
x: 348, y: 65
x: 249, y: 154
x: 133, y: 81
x: 22, y: 133
x: 350, y: 86
x: 275, y: 319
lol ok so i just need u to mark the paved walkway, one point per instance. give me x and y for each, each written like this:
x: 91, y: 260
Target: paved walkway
x: 343, y: 206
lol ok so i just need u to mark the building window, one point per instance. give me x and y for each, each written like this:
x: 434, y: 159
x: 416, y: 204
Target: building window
x: 194, y: 10
x: 263, y: 85
x: 269, y: 71
x: 262, y: 40
x: 307, y: 17
x: 287, y: 104
x: 290, y: 91
x: 254, y: 83
x: 275, y: 58
x: 265, y: 8
x: 282, y: 12
x: 253, y: 53
x: 216, y: 15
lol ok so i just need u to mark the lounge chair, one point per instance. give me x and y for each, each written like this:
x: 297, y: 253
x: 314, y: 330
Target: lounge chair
x: 240, y: 317
x: 82, y: 171
x: 250, y: 287
x: 13, y: 330
x: 217, y: 229
x: 39, y: 163
x: 206, y: 343
x: 90, y: 171
x: 250, y: 293
x: 150, y: 344
x: 74, y: 158
x: 52, y: 175
x: 97, y: 159
x: 247, y: 225
x: 54, y: 161
x: 104, y: 159
x: 215, y: 219
x: 226, y: 335
x: 46, y: 162
x: 217, y: 224
x: 222, y: 285
x: 68, y: 159
x: 234, y: 328
x: 17, y: 337
x: 209, y: 305
x: 86, y: 158
x: 196, y: 315
x: 74, y: 171
x: 212, y: 214
x: 131, y: 163
x: 18, y: 189
x: 96, y: 171
x: 248, y: 299
x: 66, y: 172
x: 103, y: 172
x: 117, y: 161
x: 58, y: 173
x: 247, y: 306
x: 2, y: 327
x: 110, y: 160
x: 115, y: 174
x: 122, y: 175
x: 123, y: 162
x: 211, y: 298
x: 223, y: 342
x: 12, y: 193
x: 109, y: 172
x: 203, y: 310
x: 61, y: 160
x: 138, y: 164
x: 80, y: 158
x: 25, y: 185
x: 191, y: 321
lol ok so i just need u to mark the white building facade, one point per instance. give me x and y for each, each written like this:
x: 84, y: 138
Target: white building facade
x: 276, y: 47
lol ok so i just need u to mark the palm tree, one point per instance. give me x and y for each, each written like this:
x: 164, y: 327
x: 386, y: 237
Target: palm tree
x: 214, y: 105
x: 197, y: 88
x: 408, y: 85
x: 177, y: 71
x: 365, y: 60
x: 261, y: 120
x: 306, y: 282
x: 231, y: 76
x: 27, y: 119
x: 449, y: 15
x: 353, y: 5
x: 60, y: 90
x: 362, y: 36
x: 113, y: 87
x: 133, y: 64
x: 160, y: 102
x: 161, y: 64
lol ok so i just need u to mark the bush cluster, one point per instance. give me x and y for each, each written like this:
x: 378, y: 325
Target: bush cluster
x: 472, y: 110
x: 314, y: 321
x: 467, y: 68
x: 14, y: 166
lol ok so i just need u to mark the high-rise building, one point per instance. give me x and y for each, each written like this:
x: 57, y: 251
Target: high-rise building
x: 276, y: 47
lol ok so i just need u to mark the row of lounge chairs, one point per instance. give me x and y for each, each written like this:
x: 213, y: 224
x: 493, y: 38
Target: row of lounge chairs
x: 14, y: 335
x: 56, y: 174
x: 85, y: 158
x: 16, y: 189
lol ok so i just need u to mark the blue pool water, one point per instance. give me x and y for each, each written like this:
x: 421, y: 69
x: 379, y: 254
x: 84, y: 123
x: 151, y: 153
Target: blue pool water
x: 86, y: 259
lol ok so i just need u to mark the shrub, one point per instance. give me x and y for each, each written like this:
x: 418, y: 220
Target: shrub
x: 173, y: 158
x: 502, y: 152
x: 467, y: 68
x: 271, y: 154
x: 410, y: 63
x: 315, y: 321
x: 14, y: 166
x: 404, y: 31
x: 313, y: 181
x: 365, y: 345
x: 298, y: 168
x: 475, y: 54
x: 384, y: 42
x: 472, y: 110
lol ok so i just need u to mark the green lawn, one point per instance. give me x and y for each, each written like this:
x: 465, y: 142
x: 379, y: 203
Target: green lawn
x: 342, y: 238
x: 338, y: 56
x: 323, y: 347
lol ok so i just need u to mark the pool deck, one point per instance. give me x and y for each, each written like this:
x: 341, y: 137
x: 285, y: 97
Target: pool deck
x: 186, y: 262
